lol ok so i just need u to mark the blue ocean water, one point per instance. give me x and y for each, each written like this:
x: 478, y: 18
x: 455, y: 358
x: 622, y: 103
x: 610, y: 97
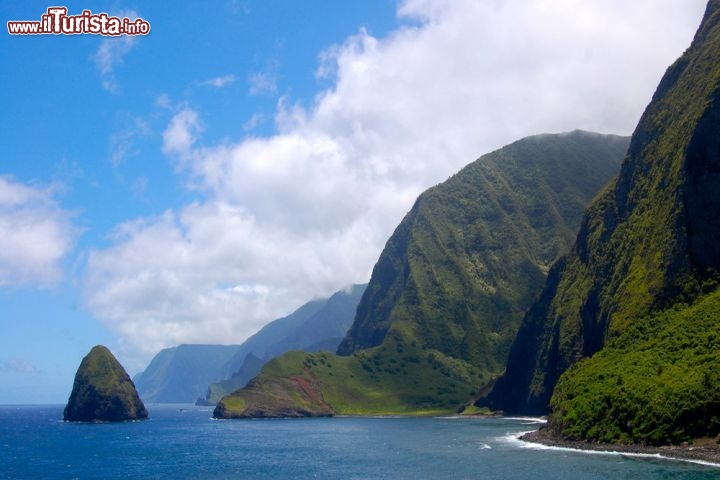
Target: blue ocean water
x: 186, y: 443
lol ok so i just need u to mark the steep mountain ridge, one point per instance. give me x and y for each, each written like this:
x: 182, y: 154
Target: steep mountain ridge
x: 466, y: 262
x: 450, y: 288
x: 649, y: 243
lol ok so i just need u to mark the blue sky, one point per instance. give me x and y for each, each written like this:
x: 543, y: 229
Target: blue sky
x: 190, y: 185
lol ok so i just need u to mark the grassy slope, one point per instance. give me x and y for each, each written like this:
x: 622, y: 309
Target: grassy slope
x: 371, y: 382
x: 449, y: 290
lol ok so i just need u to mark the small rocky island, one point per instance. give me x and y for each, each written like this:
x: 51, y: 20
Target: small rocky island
x: 103, y: 391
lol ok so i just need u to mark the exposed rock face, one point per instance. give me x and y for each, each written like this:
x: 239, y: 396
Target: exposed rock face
x: 103, y: 391
x: 295, y: 396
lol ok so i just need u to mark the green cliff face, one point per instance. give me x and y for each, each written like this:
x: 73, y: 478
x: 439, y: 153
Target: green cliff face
x: 103, y: 391
x: 470, y: 257
x: 450, y: 288
x: 649, y: 244
x: 657, y: 383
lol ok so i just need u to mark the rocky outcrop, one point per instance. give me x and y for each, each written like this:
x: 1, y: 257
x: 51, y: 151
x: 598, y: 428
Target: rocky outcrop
x: 103, y: 391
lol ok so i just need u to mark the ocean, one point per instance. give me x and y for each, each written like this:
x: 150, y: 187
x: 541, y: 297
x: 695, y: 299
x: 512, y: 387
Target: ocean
x: 184, y: 442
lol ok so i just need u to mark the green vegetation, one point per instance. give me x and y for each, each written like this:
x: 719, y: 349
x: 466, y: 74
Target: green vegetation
x: 372, y: 382
x: 626, y: 334
x: 449, y: 290
x: 103, y: 391
x: 657, y: 383
x: 473, y: 253
x: 650, y: 240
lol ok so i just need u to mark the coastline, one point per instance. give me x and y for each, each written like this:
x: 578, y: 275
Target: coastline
x: 705, y: 451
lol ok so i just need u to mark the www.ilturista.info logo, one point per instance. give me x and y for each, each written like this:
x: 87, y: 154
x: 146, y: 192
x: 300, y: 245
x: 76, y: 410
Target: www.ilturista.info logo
x: 57, y: 22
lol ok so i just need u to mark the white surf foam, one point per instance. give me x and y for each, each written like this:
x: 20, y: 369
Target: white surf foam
x: 528, y: 420
x: 514, y: 438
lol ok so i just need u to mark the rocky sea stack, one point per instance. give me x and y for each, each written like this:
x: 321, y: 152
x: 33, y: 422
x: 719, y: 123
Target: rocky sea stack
x: 103, y: 391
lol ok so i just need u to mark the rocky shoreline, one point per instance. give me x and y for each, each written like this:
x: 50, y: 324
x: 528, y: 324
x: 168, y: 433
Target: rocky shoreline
x: 704, y: 451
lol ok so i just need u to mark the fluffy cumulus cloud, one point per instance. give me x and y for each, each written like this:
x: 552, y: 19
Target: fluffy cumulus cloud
x: 307, y: 210
x: 212, y: 273
x: 36, y: 235
x: 182, y: 132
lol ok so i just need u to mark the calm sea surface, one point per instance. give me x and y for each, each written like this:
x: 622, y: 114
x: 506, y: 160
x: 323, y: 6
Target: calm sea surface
x: 187, y: 443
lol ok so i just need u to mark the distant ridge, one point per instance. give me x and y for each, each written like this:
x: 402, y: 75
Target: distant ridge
x: 181, y: 374
x: 316, y: 326
x: 204, y: 373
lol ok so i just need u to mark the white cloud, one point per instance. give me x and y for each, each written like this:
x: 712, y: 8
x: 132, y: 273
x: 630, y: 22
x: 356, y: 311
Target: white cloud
x: 306, y: 211
x: 36, y: 236
x: 111, y: 52
x: 263, y: 83
x: 181, y: 134
x: 108, y: 56
x: 163, y: 101
x: 254, y: 121
x: 123, y: 142
x: 139, y: 187
x: 212, y: 273
x: 18, y: 365
x: 218, y: 82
